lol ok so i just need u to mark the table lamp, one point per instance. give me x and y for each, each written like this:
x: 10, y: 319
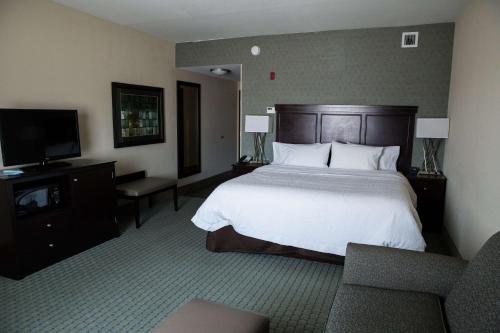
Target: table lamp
x: 432, y: 130
x: 259, y: 126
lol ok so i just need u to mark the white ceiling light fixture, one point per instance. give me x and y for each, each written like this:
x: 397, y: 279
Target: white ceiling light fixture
x: 255, y: 50
x: 220, y: 71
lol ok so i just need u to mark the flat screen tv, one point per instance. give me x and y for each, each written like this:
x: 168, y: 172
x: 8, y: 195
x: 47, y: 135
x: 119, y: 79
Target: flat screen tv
x: 38, y: 136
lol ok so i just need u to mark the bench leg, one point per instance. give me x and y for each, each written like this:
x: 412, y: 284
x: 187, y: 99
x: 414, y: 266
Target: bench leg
x: 137, y: 211
x: 150, y: 201
x: 176, y: 199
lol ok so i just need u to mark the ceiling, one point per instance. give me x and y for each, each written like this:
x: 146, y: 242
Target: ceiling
x: 194, y: 20
x: 234, y: 75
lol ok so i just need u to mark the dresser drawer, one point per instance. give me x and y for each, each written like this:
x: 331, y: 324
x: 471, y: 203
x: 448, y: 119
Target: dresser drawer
x: 33, y: 240
x: 44, y: 253
x: 43, y: 240
x: 33, y: 233
x: 53, y: 221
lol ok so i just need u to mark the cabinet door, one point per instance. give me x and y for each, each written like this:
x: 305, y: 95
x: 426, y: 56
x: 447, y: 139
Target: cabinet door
x: 431, y: 213
x: 93, y: 197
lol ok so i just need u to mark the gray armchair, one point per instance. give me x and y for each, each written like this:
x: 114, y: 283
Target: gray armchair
x: 390, y: 290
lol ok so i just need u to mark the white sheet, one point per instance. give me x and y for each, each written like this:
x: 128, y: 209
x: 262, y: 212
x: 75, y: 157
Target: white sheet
x: 316, y: 208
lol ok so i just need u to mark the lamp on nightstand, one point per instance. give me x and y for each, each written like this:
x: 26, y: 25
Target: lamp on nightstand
x: 432, y: 130
x: 259, y: 126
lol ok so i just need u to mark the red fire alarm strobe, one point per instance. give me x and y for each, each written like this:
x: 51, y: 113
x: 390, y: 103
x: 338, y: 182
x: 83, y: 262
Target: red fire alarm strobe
x: 272, y: 76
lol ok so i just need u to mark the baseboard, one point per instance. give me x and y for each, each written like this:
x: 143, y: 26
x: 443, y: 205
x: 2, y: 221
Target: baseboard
x: 217, y: 179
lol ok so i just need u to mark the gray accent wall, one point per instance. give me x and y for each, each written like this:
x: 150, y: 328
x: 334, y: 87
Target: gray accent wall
x: 363, y: 66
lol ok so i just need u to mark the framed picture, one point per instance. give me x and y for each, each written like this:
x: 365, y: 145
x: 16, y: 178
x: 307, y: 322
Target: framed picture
x: 137, y: 115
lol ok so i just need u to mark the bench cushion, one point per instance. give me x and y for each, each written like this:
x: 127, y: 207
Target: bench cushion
x: 199, y: 316
x: 145, y: 186
x: 366, y: 309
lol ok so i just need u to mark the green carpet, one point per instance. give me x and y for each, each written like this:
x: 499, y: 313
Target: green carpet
x: 129, y: 284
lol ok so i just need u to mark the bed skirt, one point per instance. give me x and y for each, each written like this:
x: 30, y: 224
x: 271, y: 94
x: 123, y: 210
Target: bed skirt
x: 226, y: 239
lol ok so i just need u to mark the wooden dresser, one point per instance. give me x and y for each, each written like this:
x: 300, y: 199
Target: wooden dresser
x: 82, y: 215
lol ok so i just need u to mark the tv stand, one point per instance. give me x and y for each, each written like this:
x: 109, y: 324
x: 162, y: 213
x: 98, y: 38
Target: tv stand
x: 84, y: 217
x: 45, y: 166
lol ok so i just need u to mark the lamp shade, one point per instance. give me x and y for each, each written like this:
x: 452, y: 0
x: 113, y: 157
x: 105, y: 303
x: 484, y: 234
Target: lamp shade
x: 433, y: 128
x: 257, y: 124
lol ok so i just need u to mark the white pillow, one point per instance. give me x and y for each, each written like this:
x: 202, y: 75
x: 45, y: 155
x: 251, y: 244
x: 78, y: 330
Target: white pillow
x: 388, y: 159
x: 345, y: 156
x: 314, y: 155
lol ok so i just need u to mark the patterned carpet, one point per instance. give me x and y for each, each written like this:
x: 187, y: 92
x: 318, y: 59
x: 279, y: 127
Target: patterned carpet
x: 129, y: 284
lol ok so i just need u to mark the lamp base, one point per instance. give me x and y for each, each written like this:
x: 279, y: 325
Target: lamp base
x: 259, y: 144
x: 430, y: 163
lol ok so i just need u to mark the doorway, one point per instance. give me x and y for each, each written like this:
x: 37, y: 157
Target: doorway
x: 188, y: 128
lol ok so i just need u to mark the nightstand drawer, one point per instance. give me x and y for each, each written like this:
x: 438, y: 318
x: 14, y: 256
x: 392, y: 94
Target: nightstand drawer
x: 240, y: 169
x: 429, y: 190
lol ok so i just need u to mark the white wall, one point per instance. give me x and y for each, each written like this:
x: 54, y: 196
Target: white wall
x: 472, y: 157
x: 219, y: 114
x: 55, y: 57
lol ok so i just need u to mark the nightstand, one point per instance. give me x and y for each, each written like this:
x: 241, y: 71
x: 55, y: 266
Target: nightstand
x: 430, y: 192
x: 244, y: 168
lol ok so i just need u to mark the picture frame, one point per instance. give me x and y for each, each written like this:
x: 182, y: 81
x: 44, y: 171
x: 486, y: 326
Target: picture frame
x: 138, y: 115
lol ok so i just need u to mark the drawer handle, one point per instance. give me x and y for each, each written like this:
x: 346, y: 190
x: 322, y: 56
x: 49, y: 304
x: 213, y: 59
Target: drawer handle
x: 75, y: 180
x: 425, y: 188
x: 49, y: 225
x: 51, y: 244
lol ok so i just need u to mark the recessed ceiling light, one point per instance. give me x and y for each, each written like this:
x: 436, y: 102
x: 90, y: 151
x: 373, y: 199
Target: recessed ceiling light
x: 220, y: 71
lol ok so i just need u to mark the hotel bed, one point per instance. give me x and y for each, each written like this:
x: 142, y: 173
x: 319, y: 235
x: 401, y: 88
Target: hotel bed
x: 313, y: 212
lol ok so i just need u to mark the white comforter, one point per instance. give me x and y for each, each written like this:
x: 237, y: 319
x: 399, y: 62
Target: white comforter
x: 317, y: 209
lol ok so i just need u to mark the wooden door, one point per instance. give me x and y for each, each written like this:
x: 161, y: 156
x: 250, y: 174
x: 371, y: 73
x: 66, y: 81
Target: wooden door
x: 188, y: 128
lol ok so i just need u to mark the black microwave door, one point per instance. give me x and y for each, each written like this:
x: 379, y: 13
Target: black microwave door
x: 32, y: 200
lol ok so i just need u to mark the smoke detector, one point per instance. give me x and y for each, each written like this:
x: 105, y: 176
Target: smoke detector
x: 255, y: 50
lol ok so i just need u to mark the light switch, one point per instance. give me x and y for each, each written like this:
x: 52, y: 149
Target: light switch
x: 270, y: 109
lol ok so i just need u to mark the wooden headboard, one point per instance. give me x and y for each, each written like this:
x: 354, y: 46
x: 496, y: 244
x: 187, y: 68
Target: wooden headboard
x: 361, y: 124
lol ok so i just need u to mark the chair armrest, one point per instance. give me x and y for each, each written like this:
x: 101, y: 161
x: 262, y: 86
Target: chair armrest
x: 389, y: 268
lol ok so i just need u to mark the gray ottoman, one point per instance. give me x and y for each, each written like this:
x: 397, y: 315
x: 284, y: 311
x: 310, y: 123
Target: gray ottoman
x: 199, y: 316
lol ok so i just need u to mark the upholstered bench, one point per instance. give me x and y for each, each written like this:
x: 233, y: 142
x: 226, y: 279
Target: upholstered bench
x: 199, y: 316
x: 136, y: 186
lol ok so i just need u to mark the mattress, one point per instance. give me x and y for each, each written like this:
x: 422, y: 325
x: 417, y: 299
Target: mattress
x: 317, y: 209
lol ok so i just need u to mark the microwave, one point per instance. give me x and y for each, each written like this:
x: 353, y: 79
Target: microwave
x: 34, y: 200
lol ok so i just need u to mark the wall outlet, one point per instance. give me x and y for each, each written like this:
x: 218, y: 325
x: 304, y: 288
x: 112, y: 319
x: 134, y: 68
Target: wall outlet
x: 270, y: 109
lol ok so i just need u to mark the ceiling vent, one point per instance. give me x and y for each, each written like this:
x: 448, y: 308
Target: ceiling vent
x: 409, y: 39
